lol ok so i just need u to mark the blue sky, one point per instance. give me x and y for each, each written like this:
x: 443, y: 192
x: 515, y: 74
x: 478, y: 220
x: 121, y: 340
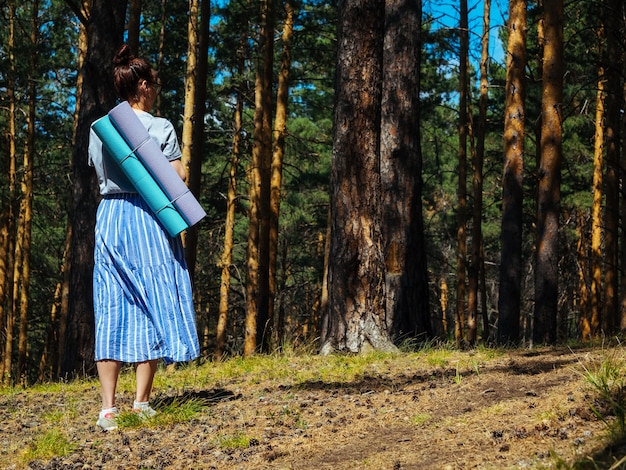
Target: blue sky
x: 446, y: 14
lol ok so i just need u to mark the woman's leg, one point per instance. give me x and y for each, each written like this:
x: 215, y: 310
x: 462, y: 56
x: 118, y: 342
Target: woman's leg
x: 145, y: 375
x: 108, y: 371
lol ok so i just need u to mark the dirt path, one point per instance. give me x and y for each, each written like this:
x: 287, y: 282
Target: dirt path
x: 518, y: 410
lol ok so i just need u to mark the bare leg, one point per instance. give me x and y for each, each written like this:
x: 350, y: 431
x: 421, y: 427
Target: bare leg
x: 145, y: 375
x: 108, y: 371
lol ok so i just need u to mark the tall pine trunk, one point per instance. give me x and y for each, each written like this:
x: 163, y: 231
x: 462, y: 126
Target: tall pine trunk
x: 461, y: 227
x: 105, y: 28
x: 26, y: 204
x: 476, y: 264
x: 257, y: 281
x: 549, y: 178
x: 406, y: 277
x: 614, y: 99
x: 7, y: 229
x: 512, y: 191
x: 355, y: 318
x: 231, y: 200
x: 280, y: 124
x: 590, y: 323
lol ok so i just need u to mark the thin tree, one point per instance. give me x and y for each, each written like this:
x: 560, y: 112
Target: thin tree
x: 186, y: 141
x: 8, y: 213
x: 355, y: 318
x: 614, y: 105
x: 231, y: 198
x: 461, y: 233
x: 622, y: 313
x: 26, y: 203
x: 406, y: 277
x: 590, y: 323
x: 194, y: 168
x: 476, y: 264
x: 512, y: 192
x: 160, y: 57
x: 584, y: 274
x: 257, y: 281
x: 105, y: 28
x: 549, y: 178
x: 280, y: 125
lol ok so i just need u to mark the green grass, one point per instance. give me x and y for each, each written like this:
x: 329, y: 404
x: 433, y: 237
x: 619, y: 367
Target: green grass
x: 233, y: 441
x: 52, y: 443
x: 608, y: 379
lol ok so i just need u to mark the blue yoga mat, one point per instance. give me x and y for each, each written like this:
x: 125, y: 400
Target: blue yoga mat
x: 149, y: 153
x: 141, y: 179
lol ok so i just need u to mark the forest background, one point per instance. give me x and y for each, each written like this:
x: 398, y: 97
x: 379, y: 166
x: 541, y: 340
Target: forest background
x: 267, y: 158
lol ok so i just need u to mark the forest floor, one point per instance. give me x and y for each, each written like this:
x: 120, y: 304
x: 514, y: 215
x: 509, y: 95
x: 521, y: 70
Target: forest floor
x: 437, y: 409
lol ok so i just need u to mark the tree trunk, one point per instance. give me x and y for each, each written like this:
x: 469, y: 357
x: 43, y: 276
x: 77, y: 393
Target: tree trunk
x: 83, y: 46
x: 614, y: 100
x: 105, y: 32
x: 406, y: 276
x: 7, y: 229
x: 191, y: 73
x: 194, y: 173
x: 162, y: 31
x: 257, y: 282
x: 591, y: 324
x: 512, y: 192
x: 26, y: 204
x: 476, y: 260
x: 584, y: 269
x: 282, y: 101
x: 134, y: 25
x: 622, y: 312
x: 549, y: 178
x: 355, y: 318
x: 461, y: 234
x: 231, y: 198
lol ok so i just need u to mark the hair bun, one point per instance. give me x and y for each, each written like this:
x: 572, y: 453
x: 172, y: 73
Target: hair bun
x: 123, y: 56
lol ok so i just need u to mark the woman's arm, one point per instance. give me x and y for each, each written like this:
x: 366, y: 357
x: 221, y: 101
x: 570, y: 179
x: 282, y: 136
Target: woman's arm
x: 180, y: 169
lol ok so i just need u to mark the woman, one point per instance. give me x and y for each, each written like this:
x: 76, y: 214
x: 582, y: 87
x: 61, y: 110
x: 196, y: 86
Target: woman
x: 142, y: 291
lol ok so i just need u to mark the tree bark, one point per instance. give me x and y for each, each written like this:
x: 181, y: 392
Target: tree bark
x: 134, y: 25
x: 355, y: 318
x: 584, y: 271
x: 194, y: 173
x: 406, y: 276
x: 7, y: 230
x: 280, y: 124
x: 461, y: 234
x: 476, y: 259
x: 549, y: 179
x: 257, y: 282
x: 26, y: 204
x: 591, y: 324
x: 231, y: 198
x: 105, y: 32
x: 614, y: 100
x: 512, y: 192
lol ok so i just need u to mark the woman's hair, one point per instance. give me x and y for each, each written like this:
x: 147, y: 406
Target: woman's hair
x: 128, y: 72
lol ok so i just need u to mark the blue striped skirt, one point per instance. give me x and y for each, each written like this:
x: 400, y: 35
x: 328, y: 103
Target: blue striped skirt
x: 142, y: 291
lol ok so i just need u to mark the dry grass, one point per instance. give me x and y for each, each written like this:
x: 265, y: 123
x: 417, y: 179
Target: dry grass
x: 436, y: 408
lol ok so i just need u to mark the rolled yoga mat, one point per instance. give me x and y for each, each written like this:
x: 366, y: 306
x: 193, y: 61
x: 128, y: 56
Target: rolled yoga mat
x: 139, y: 176
x: 136, y: 135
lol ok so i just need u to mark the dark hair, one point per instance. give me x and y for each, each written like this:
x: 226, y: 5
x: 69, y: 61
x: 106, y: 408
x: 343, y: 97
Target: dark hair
x: 129, y: 71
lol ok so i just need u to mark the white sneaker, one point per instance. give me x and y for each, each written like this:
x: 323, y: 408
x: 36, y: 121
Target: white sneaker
x: 107, y: 421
